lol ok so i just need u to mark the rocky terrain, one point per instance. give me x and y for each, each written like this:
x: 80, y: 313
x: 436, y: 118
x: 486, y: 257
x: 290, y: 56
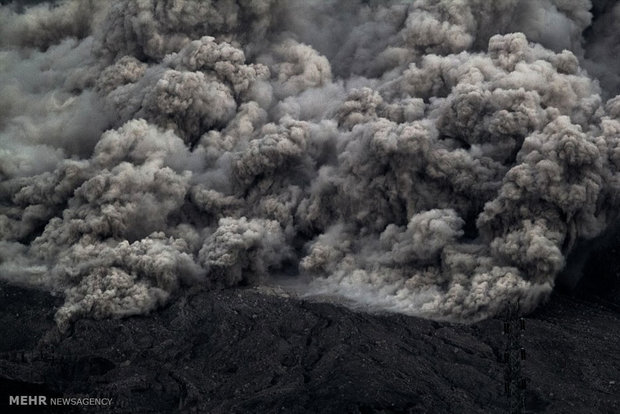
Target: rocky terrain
x: 248, y: 351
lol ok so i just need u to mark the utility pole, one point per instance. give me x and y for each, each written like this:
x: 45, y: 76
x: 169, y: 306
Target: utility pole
x: 514, y: 355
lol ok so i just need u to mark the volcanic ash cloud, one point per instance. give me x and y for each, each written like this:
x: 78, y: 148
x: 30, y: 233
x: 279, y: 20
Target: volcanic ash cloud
x: 410, y: 157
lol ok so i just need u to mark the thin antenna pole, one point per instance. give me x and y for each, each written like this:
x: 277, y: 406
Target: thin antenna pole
x: 514, y: 356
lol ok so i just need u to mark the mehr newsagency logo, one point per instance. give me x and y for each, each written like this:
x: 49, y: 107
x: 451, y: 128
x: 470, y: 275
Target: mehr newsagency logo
x: 41, y: 400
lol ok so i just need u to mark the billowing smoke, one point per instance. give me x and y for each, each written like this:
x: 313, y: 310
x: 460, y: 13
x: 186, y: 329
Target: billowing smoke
x: 437, y: 158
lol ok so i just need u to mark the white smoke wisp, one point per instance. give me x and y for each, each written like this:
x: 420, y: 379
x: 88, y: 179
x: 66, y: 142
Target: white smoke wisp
x: 434, y: 158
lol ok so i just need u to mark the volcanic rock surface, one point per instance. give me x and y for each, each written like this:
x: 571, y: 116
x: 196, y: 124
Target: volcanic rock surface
x: 250, y: 351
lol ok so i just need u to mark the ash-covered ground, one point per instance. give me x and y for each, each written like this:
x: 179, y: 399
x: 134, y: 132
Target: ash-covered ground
x: 250, y: 352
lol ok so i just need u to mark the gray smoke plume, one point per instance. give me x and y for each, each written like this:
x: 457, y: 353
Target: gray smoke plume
x: 437, y: 158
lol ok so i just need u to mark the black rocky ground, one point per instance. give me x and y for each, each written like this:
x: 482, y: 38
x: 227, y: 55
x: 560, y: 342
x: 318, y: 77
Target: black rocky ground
x: 243, y: 351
